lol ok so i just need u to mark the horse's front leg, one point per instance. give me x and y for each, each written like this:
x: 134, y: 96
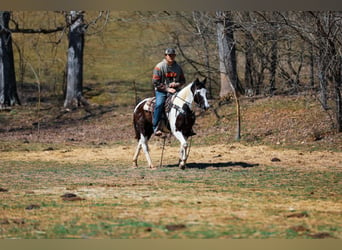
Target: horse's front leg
x: 183, y: 149
x: 183, y: 155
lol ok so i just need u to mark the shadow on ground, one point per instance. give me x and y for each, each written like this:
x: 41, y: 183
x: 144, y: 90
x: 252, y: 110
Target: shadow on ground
x: 216, y: 165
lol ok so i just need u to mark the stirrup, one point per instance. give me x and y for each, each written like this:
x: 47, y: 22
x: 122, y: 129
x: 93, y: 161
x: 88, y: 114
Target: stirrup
x: 158, y: 133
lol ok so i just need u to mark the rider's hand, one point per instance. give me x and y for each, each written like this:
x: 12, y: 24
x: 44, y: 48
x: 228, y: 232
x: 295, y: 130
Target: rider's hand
x: 173, y: 85
x: 171, y: 90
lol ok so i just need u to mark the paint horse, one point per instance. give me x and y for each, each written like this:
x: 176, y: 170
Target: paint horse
x: 179, y: 119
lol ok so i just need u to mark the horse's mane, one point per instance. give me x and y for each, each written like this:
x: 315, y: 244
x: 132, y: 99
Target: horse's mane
x: 183, y: 94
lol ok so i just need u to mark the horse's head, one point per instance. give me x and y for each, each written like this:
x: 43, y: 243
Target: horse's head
x: 200, y: 93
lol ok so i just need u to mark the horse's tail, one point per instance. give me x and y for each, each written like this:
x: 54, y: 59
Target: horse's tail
x: 137, y: 134
x: 136, y: 115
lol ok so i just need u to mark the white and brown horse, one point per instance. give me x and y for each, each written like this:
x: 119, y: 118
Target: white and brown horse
x: 180, y: 118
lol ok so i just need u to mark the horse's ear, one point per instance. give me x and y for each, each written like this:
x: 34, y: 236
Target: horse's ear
x: 204, y: 80
x: 196, y: 82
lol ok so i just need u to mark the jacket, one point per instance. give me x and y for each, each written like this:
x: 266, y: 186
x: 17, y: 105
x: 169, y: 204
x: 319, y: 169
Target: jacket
x: 164, y: 74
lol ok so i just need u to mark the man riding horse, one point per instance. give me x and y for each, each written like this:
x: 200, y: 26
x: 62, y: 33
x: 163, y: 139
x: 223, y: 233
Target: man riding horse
x: 167, y: 78
x: 180, y: 119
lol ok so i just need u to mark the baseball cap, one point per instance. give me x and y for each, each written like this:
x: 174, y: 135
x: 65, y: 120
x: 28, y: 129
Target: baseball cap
x: 170, y: 51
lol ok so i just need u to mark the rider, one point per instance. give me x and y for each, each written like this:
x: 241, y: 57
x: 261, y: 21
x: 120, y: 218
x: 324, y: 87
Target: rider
x: 168, y: 77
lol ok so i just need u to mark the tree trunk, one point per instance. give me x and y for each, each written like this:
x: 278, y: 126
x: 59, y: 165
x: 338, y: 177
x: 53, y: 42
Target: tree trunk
x: 249, y: 81
x: 260, y: 75
x: 229, y: 80
x: 323, y: 82
x: 8, y: 87
x: 74, y: 97
x: 207, y: 64
x: 312, y: 67
x: 338, y: 106
x: 227, y: 55
x: 274, y: 58
x: 338, y: 96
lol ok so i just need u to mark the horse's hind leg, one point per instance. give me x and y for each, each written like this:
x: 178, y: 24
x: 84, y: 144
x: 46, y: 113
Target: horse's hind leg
x: 135, y: 157
x: 142, y: 145
x: 143, y: 141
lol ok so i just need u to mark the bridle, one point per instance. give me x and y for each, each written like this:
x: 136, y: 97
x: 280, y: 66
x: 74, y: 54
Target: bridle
x: 180, y: 109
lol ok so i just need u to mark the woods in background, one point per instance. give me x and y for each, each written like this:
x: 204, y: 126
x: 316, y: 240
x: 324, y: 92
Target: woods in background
x: 251, y: 53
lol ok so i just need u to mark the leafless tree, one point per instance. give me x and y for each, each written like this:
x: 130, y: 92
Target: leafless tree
x: 8, y: 89
x: 227, y: 54
x: 322, y: 31
x: 74, y: 91
x: 230, y: 84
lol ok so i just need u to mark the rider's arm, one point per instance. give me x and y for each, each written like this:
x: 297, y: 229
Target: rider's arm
x: 180, y: 81
x: 157, y: 80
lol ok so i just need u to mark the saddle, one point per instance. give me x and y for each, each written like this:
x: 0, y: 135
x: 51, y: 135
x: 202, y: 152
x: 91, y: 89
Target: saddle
x: 151, y: 103
x: 149, y: 107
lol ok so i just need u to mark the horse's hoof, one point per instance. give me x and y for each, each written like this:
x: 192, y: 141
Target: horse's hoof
x: 182, y: 166
x: 153, y: 167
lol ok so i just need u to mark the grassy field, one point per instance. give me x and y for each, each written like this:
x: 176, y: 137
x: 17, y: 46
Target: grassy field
x: 68, y: 174
x: 213, y: 198
x: 72, y: 178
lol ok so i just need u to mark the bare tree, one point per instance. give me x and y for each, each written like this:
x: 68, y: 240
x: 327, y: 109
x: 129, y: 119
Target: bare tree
x: 8, y: 89
x: 227, y: 54
x: 202, y: 24
x: 230, y: 84
x: 322, y: 31
x: 77, y: 28
x: 274, y: 56
x: 74, y: 95
x: 249, y: 50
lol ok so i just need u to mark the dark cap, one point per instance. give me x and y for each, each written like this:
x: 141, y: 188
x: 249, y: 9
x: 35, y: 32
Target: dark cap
x: 170, y: 51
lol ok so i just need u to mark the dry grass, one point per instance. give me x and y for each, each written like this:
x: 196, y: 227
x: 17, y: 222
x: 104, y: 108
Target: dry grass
x: 277, y: 182
x: 228, y: 191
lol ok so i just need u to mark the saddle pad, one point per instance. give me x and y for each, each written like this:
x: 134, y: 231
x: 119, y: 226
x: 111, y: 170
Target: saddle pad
x: 149, y: 104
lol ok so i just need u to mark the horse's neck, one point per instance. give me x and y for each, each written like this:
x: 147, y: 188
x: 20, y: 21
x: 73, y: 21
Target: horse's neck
x: 184, y: 96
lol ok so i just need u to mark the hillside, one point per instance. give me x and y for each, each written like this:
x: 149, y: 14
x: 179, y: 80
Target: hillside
x: 117, y: 70
x: 283, y: 122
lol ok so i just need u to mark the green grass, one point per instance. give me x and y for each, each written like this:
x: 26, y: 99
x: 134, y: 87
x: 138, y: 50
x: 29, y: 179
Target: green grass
x: 119, y: 203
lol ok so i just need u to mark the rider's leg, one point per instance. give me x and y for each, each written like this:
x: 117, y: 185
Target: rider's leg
x: 160, y: 100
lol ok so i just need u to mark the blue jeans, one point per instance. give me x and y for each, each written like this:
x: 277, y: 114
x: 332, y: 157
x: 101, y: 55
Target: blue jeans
x: 160, y: 101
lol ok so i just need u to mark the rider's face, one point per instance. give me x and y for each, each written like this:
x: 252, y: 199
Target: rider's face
x: 170, y: 58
